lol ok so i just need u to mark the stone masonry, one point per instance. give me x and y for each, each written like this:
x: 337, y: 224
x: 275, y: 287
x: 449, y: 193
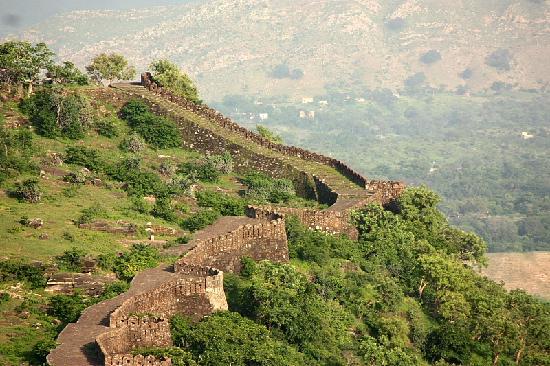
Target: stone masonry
x: 109, y: 333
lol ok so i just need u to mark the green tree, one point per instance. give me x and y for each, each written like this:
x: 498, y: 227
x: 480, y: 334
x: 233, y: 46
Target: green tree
x: 67, y: 73
x: 227, y: 338
x: 23, y: 62
x: 110, y: 67
x: 168, y: 75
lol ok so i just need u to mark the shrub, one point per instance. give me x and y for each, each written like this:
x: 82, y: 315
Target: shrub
x: 200, y: 170
x: 67, y: 73
x: 226, y: 205
x: 54, y: 112
x: 90, y: 214
x: 168, y: 75
x: 137, y: 259
x: 141, y: 206
x: 67, y: 308
x: 430, y: 57
x: 75, y: 178
x: 138, y: 183
x: 222, y: 163
x: 265, y: 189
x: 157, y: 131
x: 200, y: 220
x: 107, y: 127
x: 499, y: 59
x: 19, y: 271
x: 163, y: 209
x: 41, y: 350
x: 132, y: 143
x: 86, y: 157
x: 16, y: 152
x: 269, y: 135
x: 4, y: 297
x: 209, y: 169
x: 114, y: 289
x: 133, y: 111
x: 71, y: 260
x: 167, y: 168
x: 28, y: 191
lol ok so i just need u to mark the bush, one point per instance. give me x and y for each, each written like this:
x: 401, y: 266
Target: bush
x: 169, y: 76
x: 90, y: 214
x: 16, y: 152
x: 132, y: 143
x: 86, y: 157
x: 107, y: 127
x: 4, y: 297
x: 19, y: 271
x: 138, y: 183
x: 222, y: 163
x: 75, y: 178
x: 67, y: 73
x: 200, y: 170
x: 163, y: 209
x: 140, y: 257
x: 71, y: 260
x: 41, y: 350
x: 141, y: 206
x: 269, y: 135
x: 499, y: 59
x: 157, y: 131
x: 200, y: 220
x: 67, y: 308
x: 54, y: 112
x: 28, y: 191
x: 430, y: 57
x: 226, y: 205
x: 114, y: 289
x: 265, y: 189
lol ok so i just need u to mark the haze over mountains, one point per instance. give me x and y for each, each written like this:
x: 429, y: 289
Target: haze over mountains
x: 233, y: 47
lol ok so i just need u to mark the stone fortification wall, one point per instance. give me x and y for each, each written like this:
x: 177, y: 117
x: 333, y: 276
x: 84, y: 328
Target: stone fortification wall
x: 194, y: 296
x: 136, y: 332
x: 205, y: 141
x: 265, y: 240
x: 213, y: 115
x: 385, y: 191
x: 332, y: 222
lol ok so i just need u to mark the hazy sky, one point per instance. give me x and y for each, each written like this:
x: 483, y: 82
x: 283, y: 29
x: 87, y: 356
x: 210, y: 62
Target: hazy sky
x: 16, y: 15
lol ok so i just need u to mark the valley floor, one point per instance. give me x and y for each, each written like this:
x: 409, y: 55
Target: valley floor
x: 528, y: 271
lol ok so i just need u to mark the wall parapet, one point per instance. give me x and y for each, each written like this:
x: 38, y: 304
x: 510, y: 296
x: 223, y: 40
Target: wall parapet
x: 264, y: 240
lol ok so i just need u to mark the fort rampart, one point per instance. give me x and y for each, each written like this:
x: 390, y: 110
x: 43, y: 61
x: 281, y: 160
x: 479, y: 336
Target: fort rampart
x: 195, y: 285
x: 264, y: 240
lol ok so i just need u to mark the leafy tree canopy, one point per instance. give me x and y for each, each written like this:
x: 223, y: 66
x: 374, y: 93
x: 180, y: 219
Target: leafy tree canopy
x: 110, y: 67
x: 170, y: 76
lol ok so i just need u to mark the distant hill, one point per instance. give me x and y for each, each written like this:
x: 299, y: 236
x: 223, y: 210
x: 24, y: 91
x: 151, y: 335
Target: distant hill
x: 289, y: 47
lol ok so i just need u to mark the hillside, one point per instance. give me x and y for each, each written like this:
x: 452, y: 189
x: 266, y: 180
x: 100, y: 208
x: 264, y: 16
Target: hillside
x: 235, y: 47
x: 326, y: 268
x: 448, y: 94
